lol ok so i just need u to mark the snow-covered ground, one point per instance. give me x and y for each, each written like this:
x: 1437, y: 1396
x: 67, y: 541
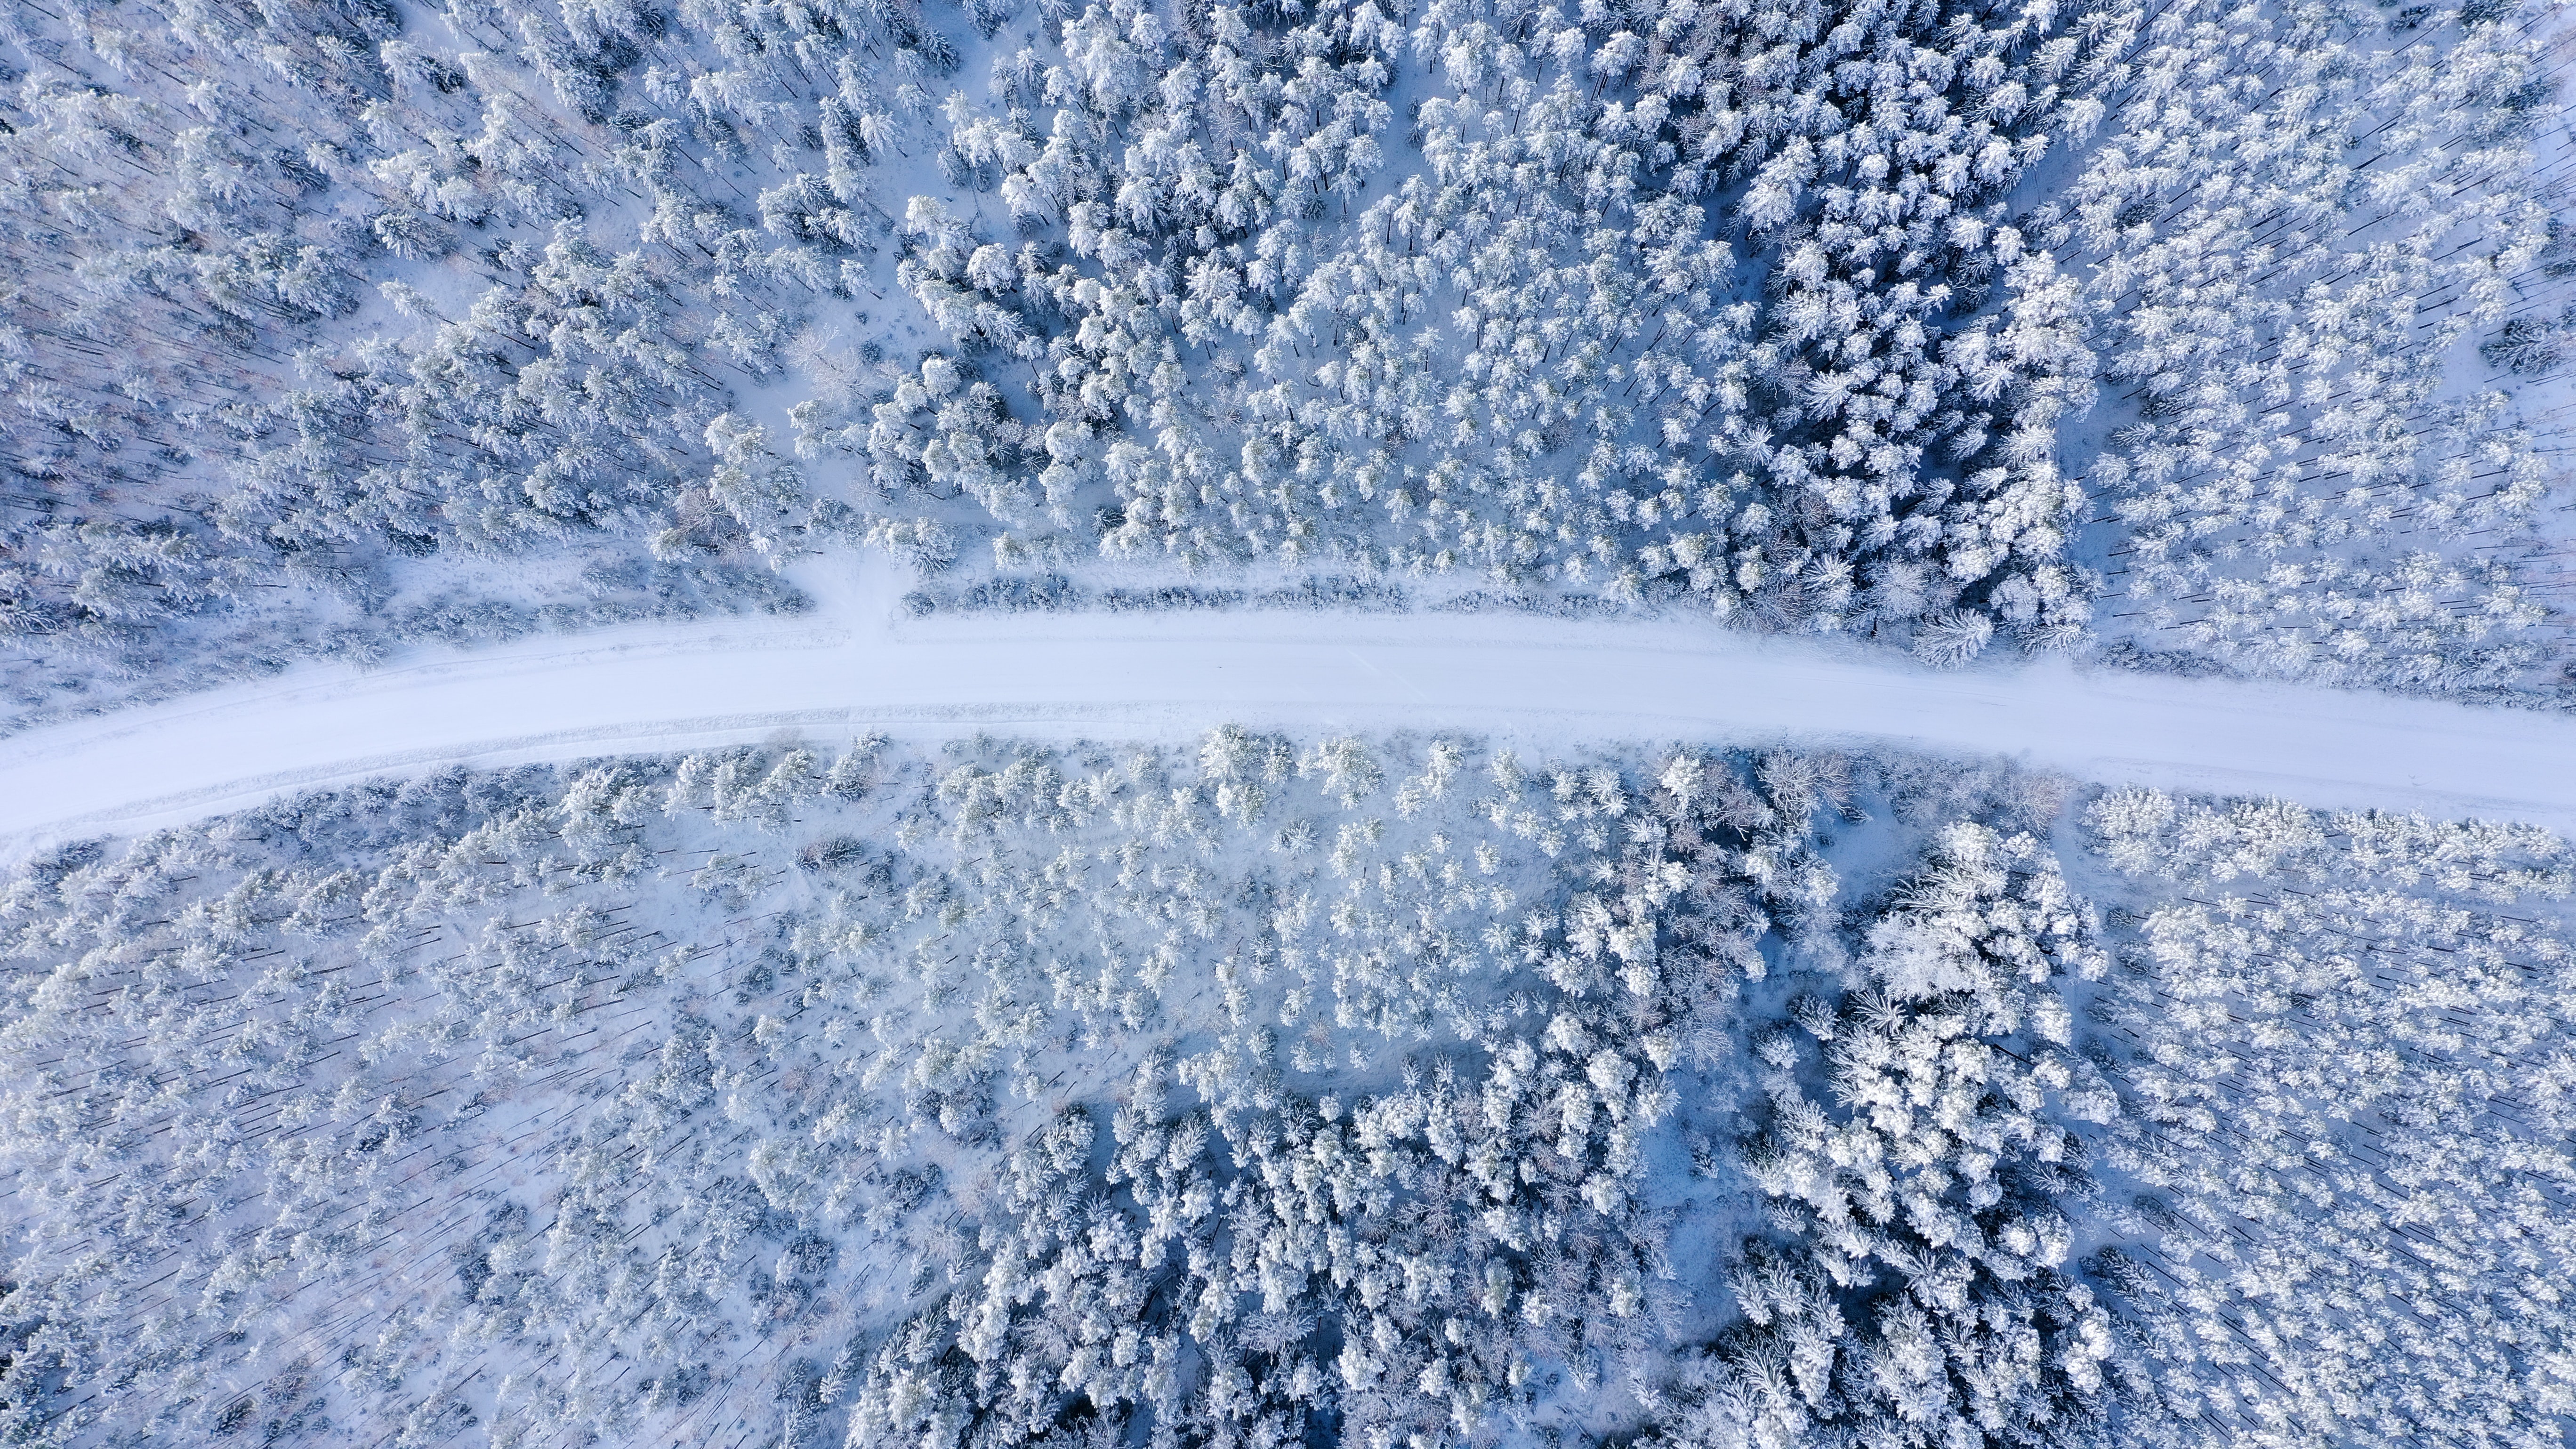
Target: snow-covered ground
x: 858, y: 664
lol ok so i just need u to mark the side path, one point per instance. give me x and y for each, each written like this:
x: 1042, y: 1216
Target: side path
x: 1532, y: 683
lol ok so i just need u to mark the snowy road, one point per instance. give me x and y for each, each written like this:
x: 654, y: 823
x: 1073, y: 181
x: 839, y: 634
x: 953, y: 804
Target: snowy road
x: 1532, y: 682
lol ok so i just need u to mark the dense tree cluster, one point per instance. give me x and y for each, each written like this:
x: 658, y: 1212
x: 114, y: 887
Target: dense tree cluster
x: 307, y: 315
x: 2287, y: 263
x: 1414, y: 1257
x: 1766, y: 308
x: 1936, y: 1191
x: 1790, y: 314
x: 1549, y: 355
x: 580, y: 1100
x: 1382, y: 1089
x: 2347, y: 1053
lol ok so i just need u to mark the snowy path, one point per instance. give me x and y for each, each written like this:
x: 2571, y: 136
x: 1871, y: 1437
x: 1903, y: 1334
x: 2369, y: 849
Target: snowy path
x: 1532, y: 682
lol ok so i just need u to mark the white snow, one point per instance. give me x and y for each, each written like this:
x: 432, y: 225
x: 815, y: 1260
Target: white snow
x: 855, y: 663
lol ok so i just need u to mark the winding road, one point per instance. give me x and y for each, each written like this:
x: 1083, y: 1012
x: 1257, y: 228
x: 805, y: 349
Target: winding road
x: 1531, y: 682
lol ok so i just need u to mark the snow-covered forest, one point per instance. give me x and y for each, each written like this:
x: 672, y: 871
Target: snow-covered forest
x: 1372, y: 1090
x: 2187, y: 335
x: 1309, y: 1083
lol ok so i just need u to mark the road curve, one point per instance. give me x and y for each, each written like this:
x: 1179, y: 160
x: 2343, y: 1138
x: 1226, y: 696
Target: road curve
x: 1536, y: 682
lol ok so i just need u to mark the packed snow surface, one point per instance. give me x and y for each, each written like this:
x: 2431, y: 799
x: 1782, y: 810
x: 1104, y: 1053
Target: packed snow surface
x: 857, y: 663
